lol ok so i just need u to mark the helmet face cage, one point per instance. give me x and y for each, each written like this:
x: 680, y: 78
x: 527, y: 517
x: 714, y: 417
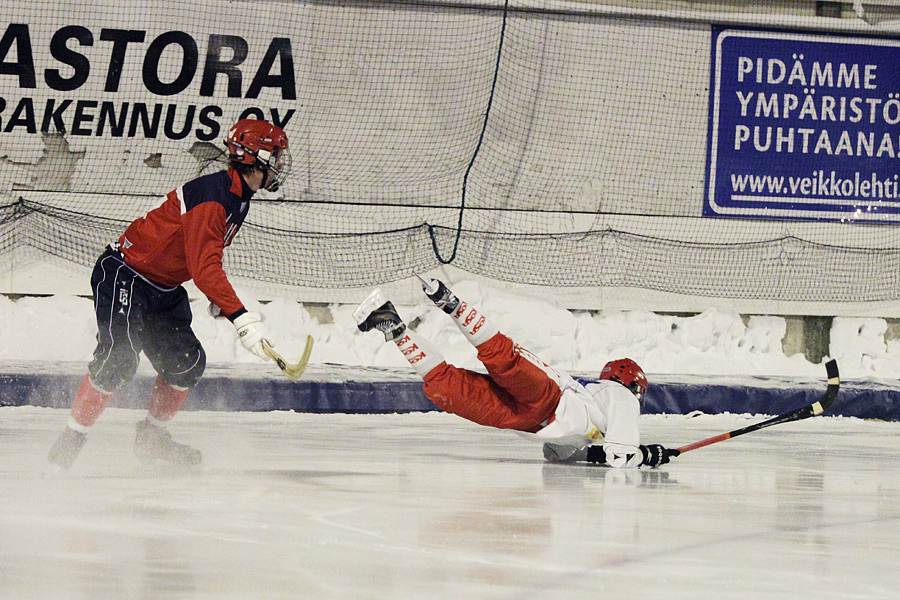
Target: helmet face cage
x: 278, y: 163
x: 254, y: 142
x: 628, y: 373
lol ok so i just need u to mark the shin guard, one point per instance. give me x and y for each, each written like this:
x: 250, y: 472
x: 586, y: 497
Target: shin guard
x: 422, y: 355
x: 89, y: 403
x: 165, y: 401
x: 473, y: 324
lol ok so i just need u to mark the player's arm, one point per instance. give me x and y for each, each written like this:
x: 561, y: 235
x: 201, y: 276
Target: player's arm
x: 204, y: 244
x: 621, y: 441
x: 651, y: 455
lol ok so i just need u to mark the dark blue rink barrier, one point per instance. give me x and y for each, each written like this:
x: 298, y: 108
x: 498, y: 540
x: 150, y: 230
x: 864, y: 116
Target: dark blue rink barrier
x: 329, y: 388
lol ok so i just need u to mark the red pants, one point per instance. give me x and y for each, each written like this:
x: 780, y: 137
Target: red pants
x: 516, y: 394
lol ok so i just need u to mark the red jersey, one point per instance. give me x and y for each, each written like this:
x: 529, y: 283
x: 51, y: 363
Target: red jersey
x: 184, y: 238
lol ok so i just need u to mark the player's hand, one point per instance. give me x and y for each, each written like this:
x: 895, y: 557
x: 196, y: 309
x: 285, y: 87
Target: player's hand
x: 656, y: 454
x: 214, y: 310
x: 252, y: 332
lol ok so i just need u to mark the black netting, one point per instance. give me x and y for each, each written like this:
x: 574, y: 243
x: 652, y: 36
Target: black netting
x: 528, y: 143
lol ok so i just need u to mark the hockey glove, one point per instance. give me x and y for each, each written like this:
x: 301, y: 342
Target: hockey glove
x: 596, y: 454
x: 252, y: 332
x: 656, y: 454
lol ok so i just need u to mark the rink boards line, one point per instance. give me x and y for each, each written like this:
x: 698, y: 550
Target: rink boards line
x: 329, y: 388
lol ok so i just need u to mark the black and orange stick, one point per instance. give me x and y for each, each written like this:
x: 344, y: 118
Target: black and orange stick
x: 816, y: 408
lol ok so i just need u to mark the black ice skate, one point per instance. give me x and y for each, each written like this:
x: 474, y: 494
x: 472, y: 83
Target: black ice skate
x: 440, y: 294
x: 376, y: 312
x: 155, y: 443
x: 65, y: 450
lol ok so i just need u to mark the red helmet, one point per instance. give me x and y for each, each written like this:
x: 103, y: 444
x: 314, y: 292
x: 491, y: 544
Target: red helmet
x: 628, y: 373
x: 254, y: 142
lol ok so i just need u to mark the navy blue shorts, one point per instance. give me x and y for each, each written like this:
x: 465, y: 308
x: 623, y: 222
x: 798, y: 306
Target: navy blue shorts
x: 137, y: 315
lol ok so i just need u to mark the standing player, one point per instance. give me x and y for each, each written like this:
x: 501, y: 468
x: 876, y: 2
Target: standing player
x: 141, y: 305
x: 522, y: 393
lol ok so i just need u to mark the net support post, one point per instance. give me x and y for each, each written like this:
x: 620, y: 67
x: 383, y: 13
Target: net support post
x: 809, y: 335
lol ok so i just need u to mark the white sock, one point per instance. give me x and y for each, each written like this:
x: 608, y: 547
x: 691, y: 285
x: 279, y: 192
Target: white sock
x: 73, y: 424
x: 423, y: 356
x: 156, y: 422
x: 475, y: 326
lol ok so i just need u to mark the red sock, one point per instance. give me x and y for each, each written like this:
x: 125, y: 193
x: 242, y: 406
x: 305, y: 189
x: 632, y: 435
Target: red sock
x: 89, y: 403
x: 165, y: 400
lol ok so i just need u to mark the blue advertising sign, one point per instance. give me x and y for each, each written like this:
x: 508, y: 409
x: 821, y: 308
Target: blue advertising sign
x: 803, y: 126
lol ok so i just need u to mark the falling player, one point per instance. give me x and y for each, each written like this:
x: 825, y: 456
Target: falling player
x: 520, y: 392
x: 141, y: 305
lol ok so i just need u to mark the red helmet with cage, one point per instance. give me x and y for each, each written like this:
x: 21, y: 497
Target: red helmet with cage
x: 255, y: 142
x: 628, y: 373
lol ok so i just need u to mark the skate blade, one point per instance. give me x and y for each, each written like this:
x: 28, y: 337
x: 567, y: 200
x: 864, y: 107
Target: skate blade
x: 165, y: 470
x: 53, y: 471
x: 430, y: 286
x: 375, y: 301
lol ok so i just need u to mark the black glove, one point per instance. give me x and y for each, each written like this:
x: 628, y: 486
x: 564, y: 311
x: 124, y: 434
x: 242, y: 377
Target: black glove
x: 596, y: 454
x: 656, y: 454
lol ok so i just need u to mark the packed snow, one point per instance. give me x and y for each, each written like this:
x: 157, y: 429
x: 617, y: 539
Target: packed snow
x: 716, y: 342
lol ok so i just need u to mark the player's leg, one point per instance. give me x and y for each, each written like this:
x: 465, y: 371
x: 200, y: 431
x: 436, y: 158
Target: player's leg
x: 471, y: 321
x: 528, y: 379
x: 478, y: 398
x: 119, y: 310
x: 179, y: 359
x: 470, y: 395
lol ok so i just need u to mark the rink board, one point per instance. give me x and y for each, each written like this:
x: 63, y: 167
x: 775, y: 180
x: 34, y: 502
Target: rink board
x: 346, y: 389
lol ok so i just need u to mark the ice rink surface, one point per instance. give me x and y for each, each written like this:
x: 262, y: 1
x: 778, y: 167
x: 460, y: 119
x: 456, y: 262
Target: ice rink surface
x: 426, y: 505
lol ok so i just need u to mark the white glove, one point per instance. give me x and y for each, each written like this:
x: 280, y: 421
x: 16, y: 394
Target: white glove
x: 252, y: 332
